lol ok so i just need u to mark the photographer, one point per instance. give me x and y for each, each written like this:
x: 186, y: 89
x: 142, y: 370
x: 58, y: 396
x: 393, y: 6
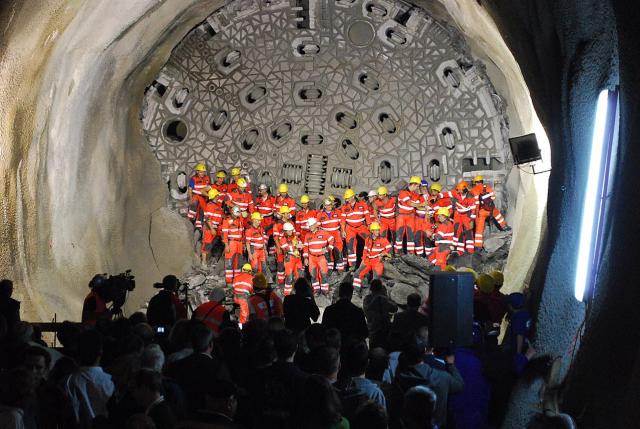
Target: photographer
x: 95, y: 304
x: 165, y: 307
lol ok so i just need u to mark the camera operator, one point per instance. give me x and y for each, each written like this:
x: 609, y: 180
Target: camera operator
x: 165, y: 307
x: 95, y: 304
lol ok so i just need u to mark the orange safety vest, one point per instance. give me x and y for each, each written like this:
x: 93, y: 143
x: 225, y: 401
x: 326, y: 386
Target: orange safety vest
x: 213, y: 213
x: 465, y: 207
x: 262, y: 307
x: 317, y: 243
x: 405, y: 198
x: 265, y: 206
x: 374, y: 249
x: 199, y: 183
x: 386, y: 209
x: 232, y: 230
x: 243, y: 284
x: 301, y: 219
x: 285, y: 201
x: 329, y: 221
x: 422, y: 199
x: 256, y: 237
x: 355, y: 215
x: 211, y: 313
x: 240, y: 200
x: 288, y: 244
x: 443, y: 235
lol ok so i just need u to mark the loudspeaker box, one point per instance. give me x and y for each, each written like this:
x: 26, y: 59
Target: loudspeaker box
x: 451, y: 309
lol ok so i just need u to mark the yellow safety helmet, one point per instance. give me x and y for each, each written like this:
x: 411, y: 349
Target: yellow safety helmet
x: 478, y: 178
x: 468, y: 270
x: 375, y: 226
x: 213, y: 192
x: 443, y: 211
x: 498, y: 277
x: 415, y: 179
x: 304, y: 199
x: 235, y: 171
x: 382, y: 190
x: 450, y: 269
x: 485, y: 283
x: 332, y: 198
x: 436, y: 187
x: 284, y: 209
x: 201, y: 167
x: 283, y: 188
x: 221, y: 174
x: 256, y: 216
x: 242, y: 183
x: 349, y: 193
x: 247, y: 268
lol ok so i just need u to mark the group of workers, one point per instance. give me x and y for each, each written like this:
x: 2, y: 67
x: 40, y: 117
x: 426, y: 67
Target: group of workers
x: 423, y: 220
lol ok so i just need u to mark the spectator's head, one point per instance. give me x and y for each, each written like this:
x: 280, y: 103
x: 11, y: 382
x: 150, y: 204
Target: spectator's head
x: 515, y: 301
x: 37, y: 360
x: 423, y: 335
x: 326, y: 362
x: 63, y: 368
x: 345, y: 290
x: 301, y: 287
x: 130, y: 345
x: 412, y: 353
x: 333, y: 338
x: 264, y: 353
x: 152, y: 358
x: 356, y: 359
x: 68, y: 334
x: 139, y: 421
x: 17, y: 387
x: 286, y: 344
x: 90, y: 346
x: 376, y: 287
x: 315, y: 336
x: 321, y: 405
x: 6, y: 288
x: 138, y: 317
x: 170, y: 283
x: 201, y: 337
x: 22, y: 332
x: 370, y: 415
x: 378, y: 363
x: 144, y: 331
x: 221, y: 396
x: 217, y: 294
x: 276, y: 324
x: 147, y: 385
x: 417, y: 408
x: 413, y: 301
x: 179, y: 335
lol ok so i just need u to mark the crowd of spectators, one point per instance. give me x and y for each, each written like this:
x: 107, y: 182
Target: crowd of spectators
x: 370, y: 367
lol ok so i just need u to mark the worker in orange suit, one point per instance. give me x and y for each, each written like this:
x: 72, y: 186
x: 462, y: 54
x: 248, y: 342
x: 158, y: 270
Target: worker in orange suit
x: 233, y: 239
x: 213, y: 216
x: 240, y: 198
x: 463, y: 218
x: 318, y: 244
x: 284, y: 214
x: 265, y: 205
x: 408, y: 200
x: 291, y: 247
x: 264, y: 303
x: 329, y: 220
x: 386, y: 213
x: 442, y: 238
x: 256, y: 242
x: 439, y: 199
x: 236, y: 173
x: 213, y: 313
x: 486, y: 209
x: 423, y: 221
x: 219, y: 183
x: 242, y: 290
x: 199, y: 185
x: 354, y: 217
x: 302, y: 215
x: 376, y: 248
x: 283, y: 199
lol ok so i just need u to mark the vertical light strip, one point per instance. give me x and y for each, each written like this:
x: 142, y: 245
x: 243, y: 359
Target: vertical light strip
x: 592, y: 199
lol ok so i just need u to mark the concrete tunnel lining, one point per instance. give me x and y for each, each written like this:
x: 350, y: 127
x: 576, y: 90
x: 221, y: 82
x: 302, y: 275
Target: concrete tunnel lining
x: 110, y: 69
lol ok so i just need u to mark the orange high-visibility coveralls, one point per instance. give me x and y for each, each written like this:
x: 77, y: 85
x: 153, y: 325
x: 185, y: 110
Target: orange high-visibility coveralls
x: 422, y: 227
x: 233, y: 238
x: 242, y: 290
x: 198, y: 201
x: 301, y: 221
x: 257, y: 242
x: 316, y: 245
x: 330, y: 222
x: 264, y: 307
x: 443, y: 239
x: 465, y: 213
x: 354, y: 219
x: 374, y: 250
x: 486, y: 209
x: 213, y: 216
x: 405, y: 221
x: 293, y: 268
x: 387, y: 217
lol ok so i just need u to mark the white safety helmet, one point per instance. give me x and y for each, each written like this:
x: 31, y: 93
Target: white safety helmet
x: 312, y: 221
x: 236, y: 210
x: 372, y: 194
x: 263, y: 187
x: 288, y: 226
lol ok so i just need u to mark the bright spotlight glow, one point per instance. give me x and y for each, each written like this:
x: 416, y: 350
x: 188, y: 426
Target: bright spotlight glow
x: 592, y: 201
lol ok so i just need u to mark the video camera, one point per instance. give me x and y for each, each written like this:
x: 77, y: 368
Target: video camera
x: 114, y: 288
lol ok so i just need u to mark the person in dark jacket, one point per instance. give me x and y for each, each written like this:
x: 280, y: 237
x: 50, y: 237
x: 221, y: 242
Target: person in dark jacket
x: 9, y: 307
x: 346, y: 317
x: 406, y: 323
x: 147, y: 388
x: 378, y: 309
x: 300, y: 308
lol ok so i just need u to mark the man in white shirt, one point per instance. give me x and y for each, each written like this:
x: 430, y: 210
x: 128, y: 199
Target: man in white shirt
x: 89, y: 387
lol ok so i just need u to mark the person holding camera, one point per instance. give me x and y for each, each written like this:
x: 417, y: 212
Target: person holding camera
x: 95, y: 303
x: 165, y: 307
